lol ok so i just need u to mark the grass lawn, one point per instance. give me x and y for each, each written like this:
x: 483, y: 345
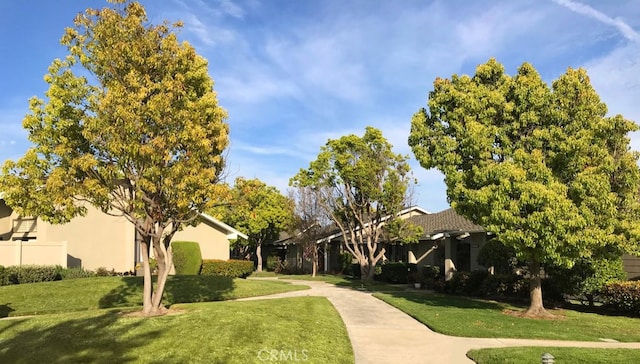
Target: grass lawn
x: 304, y: 329
x: 527, y: 355
x: 109, y: 292
x: 460, y: 316
x: 339, y: 280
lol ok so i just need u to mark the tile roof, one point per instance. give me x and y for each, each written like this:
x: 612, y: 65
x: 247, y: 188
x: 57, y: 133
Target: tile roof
x: 445, y: 221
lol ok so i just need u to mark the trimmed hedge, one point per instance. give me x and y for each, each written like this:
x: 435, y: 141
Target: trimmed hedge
x: 398, y: 272
x: 30, y: 274
x: 227, y: 268
x: 187, y: 257
x: 74, y: 273
x: 622, y: 296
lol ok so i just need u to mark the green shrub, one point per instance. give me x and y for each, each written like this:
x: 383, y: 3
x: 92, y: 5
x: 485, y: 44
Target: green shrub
x: 274, y: 264
x: 355, y: 270
x: 509, y: 285
x: 497, y: 255
x: 74, y: 273
x: 473, y: 285
x: 346, y: 261
x: 398, y: 272
x: 227, y: 268
x: 431, y: 272
x: 31, y: 274
x: 431, y: 278
x: 623, y: 297
x: 457, y: 283
x: 587, y: 277
x: 104, y: 272
x: 187, y: 258
x: 2, y: 275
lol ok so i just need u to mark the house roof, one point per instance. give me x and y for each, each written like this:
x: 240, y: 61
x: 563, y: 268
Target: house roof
x: 445, y: 221
x: 231, y: 232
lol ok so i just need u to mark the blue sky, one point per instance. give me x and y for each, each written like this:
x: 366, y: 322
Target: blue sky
x: 293, y: 74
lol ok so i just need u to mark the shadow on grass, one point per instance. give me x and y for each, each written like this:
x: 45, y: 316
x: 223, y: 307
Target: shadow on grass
x: 95, y: 339
x: 179, y: 289
x: 441, y: 300
x: 5, y: 310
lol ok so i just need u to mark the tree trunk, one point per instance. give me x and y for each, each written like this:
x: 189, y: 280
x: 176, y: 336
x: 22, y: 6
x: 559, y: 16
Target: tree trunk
x: 259, y: 256
x: 147, y: 291
x: 314, y: 262
x: 367, y: 271
x: 536, y: 306
x: 165, y: 251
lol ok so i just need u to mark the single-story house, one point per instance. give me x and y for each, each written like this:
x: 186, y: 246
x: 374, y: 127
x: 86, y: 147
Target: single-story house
x: 449, y: 241
x: 631, y: 266
x: 96, y: 240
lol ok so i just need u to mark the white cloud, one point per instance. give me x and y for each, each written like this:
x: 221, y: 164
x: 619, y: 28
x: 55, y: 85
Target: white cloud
x: 627, y: 31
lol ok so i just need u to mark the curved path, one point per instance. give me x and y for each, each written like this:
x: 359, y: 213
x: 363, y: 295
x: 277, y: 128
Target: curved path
x: 395, y: 337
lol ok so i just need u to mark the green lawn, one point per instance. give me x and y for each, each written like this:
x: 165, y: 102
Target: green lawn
x: 109, y: 292
x: 304, y: 328
x: 528, y: 355
x: 338, y: 280
x: 460, y: 316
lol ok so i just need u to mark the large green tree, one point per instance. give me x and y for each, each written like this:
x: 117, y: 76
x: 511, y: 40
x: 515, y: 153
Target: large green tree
x: 130, y: 125
x: 542, y: 167
x: 363, y: 185
x: 258, y: 210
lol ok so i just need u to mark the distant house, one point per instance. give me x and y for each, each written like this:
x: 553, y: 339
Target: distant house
x: 452, y: 243
x: 631, y: 266
x: 95, y: 240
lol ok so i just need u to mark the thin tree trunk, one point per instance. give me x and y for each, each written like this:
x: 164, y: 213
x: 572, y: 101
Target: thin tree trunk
x: 314, y: 262
x: 158, y: 308
x: 536, y: 306
x: 259, y: 256
x: 367, y: 271
x: 148, y: 283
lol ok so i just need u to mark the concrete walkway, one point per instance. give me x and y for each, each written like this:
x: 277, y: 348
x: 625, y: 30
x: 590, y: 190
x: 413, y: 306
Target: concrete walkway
x: 395, y: 337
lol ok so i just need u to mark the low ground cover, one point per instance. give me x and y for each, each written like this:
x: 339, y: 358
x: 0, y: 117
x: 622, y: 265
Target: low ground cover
x: 304, y: 329
x: 461, y: 316
x: 527, y: 355
x: 110, y: 292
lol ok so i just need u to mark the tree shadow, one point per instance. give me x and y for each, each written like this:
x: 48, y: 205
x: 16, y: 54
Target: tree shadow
x: 95, y: 339
x: 5, y: 310
x: 178, y: 289
x: 442, y: 300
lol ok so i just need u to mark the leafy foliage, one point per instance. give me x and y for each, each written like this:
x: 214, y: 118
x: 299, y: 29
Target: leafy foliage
x: 622, y: 296
x: 130, y: 125
x: 20, y: 274
x: 257, y: 210
x: 227, y: 268
x: 541, y: 167
x: 587, y: 277
x: 187, y: 257
x: 398, y: 272
x: 362, y: 186
x: 497, y: 255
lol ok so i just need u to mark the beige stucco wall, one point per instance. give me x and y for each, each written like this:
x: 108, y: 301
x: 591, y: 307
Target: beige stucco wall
x: 213, y: 241
x: 95, y: 240
x: 5, y: 221
x: 33, y: 252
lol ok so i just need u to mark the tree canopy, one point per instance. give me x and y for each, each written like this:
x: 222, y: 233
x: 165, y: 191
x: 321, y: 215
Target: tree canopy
x: 310, y: 223
x: 542, y: 167
x: 257, y: 210
x: 130, y: 125
x: 362, y: 186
